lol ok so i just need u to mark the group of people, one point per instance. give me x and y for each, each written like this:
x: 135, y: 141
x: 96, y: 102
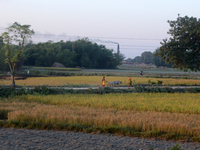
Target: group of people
x: 130, y: 83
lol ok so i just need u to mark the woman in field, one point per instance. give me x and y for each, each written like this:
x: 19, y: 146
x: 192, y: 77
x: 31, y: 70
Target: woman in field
x: 103, y: 81
x: 130, y: 82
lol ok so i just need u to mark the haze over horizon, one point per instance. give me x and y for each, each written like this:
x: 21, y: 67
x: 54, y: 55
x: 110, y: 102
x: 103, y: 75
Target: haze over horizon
x: 137, y: 25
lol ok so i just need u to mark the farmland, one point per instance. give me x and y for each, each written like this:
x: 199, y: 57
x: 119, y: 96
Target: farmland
x: 166, y: 116
x: 96, y: 81
x: 159, y: 115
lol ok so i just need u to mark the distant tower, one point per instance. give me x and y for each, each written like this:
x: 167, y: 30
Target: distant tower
x: 118, y: 49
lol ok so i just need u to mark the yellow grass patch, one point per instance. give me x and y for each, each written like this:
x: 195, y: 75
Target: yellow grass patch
x: 162, y: 112
x: 95, y: 80
x: 183, y: 124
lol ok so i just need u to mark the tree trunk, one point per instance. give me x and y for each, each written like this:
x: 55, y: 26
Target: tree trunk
x: 13, y: 80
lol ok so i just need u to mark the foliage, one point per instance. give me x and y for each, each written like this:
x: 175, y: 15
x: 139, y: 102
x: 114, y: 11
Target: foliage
x: 82, y: 53
x: 15, y: 33
x: 151, y: 148
x: 160, y: 82
x: 4, y: 114
x: 136, y: 59
x: 45, y: 90
x: 58, y: 69
x: 183, y: 48
x: 158, y: 61
x: 146, y: 57
x: 3, y: 67
x: 176, y: 147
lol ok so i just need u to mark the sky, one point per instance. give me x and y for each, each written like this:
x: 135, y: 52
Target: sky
x: 137, y: 25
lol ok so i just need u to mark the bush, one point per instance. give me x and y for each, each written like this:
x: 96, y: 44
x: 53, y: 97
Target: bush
x: 4, y: 114
x: 160, y: 82
x: 45, y: 90
x: 176, y: 147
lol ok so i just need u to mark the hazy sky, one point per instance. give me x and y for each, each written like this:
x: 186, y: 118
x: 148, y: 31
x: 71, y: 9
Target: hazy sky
x: 137, y: 25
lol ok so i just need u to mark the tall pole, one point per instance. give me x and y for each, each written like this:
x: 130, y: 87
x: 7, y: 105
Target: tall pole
x: 118, y: 49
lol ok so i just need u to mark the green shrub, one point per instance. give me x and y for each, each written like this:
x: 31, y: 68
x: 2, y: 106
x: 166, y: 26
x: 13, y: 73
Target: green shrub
x: 149, y: 81
x: 176, y: 147
x: 45, y: 90
x: 4, y: 114
x: 160, y: 82
x: 58, y: 69
x: 151, y: 148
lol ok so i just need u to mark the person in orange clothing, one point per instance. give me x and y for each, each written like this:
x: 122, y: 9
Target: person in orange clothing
x: 130, y: 82
x: 103, y: 81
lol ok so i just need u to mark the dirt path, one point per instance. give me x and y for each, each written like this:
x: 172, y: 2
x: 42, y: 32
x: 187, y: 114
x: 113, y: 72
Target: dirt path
x: 43, y: 139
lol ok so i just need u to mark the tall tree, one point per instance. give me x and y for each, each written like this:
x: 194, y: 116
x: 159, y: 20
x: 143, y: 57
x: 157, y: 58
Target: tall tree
x: 3, y: 66
x: 158, y: 61
x: 137, y: 59
x: 146, y: 57
x: 18, y: 34
x: 183, y: 47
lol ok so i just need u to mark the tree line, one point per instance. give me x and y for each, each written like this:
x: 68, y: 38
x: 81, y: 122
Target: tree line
x: 181, y: 50
x: 81, y: 53
x: 150, y: 58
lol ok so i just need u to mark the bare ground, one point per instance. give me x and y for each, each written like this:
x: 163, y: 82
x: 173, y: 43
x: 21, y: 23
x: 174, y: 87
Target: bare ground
x: 50, y: 139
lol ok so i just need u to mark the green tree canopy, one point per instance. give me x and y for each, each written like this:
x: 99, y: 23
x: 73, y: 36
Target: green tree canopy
x: 82, y: 53
x: 146, y: 57
x: 183, y: 47
x: 158, y: 61
x: 15, y: 33
x: 137, y: 59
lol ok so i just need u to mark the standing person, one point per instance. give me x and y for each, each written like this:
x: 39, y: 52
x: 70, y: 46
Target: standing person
x: 103, y: 81
x: 141, y: 73
x: 130, y: 82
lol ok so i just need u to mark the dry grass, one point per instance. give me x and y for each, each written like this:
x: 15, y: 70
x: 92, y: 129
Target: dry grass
x: 182, y: 124
x: 136, y: 112
x: 95, y: 80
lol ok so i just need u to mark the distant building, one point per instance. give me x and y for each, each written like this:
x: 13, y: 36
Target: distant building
x: 125, y: 63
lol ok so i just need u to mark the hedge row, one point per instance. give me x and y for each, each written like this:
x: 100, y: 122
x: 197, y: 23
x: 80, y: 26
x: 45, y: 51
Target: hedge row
x: 44, y: 90
x: 65, y: 73
x: 58, y: 69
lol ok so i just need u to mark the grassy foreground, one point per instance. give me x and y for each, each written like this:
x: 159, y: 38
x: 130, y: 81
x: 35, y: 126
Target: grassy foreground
x: 166, y: 116
x: 96, y: 80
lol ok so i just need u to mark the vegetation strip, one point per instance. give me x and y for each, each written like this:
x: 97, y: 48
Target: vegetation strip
x: 44, y: 90
x: 161, y: 115
x: 58, y: 69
